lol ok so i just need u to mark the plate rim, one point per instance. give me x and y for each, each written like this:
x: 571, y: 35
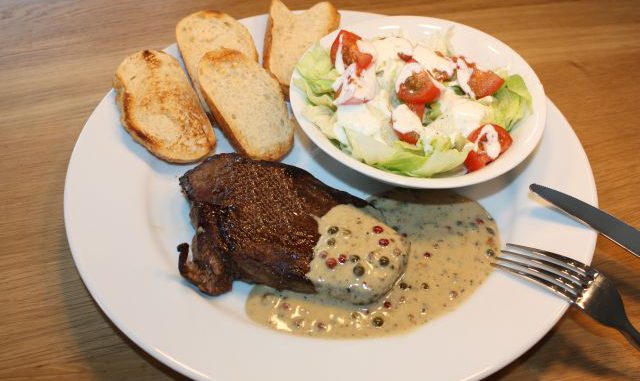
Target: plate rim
x: 185, y: 369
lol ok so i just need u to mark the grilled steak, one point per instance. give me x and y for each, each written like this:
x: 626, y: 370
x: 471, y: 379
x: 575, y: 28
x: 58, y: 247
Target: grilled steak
x: 254, y: 222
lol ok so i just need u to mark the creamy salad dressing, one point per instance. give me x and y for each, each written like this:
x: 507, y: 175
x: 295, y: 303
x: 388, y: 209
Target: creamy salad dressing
x: 353, y: 86
x: 387, y: 50
x: 433, y: 62
x: 453, y: 240
x: 451, y: 96
x: 404, y: 120
x: 407, y: 71
x: 354, y: 112
x: 339, y: 64
x: 463, y: 74
x: 460, y: 115
x: 492, y: 143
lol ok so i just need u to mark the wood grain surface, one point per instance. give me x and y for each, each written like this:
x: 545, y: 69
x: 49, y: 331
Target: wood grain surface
x: 56, y: 62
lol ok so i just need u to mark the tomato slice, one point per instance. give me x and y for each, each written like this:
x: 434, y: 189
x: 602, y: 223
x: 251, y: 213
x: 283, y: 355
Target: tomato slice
x: 363, y: 60
x: 418, y: 108
x: 410, y: 137
x: 418, y: 88
x: 406, y: 58
x: 504, y: 138
x: 475, y: 161
x: 478, y: 159
x: 484, y: 83
x: 348, y: 39
x: 350, y: 51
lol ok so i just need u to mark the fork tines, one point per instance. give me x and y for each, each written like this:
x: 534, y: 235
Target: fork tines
x: 564, y: 276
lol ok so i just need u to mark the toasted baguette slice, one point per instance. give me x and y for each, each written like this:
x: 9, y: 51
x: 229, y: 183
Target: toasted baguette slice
x: 289, y: 35
x: 159, y: 108
x: 207, y: 31
x: 247, y: 103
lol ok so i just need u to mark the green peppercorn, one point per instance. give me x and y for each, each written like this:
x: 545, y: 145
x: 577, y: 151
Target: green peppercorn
x: 378, y: 321
x: 384, y: 261
x: 331, y: 241
x: 358, y: 270
x: 490, y: 253
x: 332, y: 230
x: 354, y: 258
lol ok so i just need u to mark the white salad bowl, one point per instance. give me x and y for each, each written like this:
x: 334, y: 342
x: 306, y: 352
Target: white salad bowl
x: 478, y: 46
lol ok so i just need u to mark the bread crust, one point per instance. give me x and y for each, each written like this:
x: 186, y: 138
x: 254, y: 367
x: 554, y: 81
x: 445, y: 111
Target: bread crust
x: 268, y: 40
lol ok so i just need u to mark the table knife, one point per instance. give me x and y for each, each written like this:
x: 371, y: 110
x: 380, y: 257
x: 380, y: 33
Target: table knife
x: 619, y: 232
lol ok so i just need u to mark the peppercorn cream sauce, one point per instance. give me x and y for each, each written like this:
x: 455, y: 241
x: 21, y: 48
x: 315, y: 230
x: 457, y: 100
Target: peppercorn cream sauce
x: 357, y: 258
x: 452, y: 242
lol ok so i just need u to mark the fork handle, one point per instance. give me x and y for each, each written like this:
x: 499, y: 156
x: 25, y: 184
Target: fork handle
x: 632, y: 335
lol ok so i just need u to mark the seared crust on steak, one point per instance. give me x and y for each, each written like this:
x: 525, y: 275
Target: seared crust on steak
x: 254, y: 222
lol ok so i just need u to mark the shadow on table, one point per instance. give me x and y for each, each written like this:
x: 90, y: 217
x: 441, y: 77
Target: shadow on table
x: 560, y: 350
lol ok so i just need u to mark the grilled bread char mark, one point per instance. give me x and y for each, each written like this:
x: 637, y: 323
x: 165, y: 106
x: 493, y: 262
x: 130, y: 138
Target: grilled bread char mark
x: 159, y: 108
x: 254, y: 222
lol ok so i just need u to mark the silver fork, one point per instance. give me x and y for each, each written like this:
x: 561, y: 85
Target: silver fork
x: 585, y: 287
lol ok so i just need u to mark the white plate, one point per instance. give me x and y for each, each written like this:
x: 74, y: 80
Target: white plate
x: 125, y: 215
x: 479, y: 47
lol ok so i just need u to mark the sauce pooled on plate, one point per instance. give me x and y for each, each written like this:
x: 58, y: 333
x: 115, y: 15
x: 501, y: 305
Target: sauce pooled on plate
x: 452, y: 242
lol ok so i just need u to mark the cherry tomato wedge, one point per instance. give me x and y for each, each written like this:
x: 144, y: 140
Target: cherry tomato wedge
x: 350, y: 51
x: 363, y: 60
x: 418, y: 88
x: 418, y: 108
x: 475, y: 161
x: 410, y: 137
x: 478, y: 159
x: 484, y: 83
x: 406, y: 58
x: 348, y: 39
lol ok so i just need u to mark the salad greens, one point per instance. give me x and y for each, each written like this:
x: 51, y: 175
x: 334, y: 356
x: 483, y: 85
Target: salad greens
x: 318, y: 74
x: 510, y: 103
x: 442, y: 147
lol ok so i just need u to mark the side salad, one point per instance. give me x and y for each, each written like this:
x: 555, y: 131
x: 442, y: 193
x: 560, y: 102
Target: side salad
x: 415, y: 109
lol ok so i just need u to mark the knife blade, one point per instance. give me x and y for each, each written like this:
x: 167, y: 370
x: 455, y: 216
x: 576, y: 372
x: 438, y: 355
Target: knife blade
x: 619, y: 232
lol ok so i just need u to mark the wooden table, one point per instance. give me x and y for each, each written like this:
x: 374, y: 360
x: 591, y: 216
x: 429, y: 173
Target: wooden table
x: 56, y: 63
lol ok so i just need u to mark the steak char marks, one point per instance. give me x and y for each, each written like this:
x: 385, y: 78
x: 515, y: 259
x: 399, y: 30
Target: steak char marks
x: 254, y: 222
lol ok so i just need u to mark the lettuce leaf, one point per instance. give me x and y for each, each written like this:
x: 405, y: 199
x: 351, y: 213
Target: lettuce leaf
x: 510, y: 103
x: 317, y: 70
x: 406, y: 159
x: 445, y: 157
x: 323, y: 117
x: 442, y: 154
x: 313, y: 97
